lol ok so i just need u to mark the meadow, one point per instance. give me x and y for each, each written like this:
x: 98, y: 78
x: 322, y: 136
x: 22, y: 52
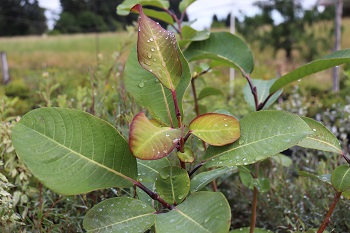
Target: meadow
x: 85, y: 71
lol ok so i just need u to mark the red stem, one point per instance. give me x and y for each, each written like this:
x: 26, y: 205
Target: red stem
x: 329, y: 213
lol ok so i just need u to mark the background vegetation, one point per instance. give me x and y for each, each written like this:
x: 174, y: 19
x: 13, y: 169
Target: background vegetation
x: 85, y: 71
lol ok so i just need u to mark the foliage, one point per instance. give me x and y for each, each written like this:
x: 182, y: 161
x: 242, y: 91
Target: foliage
x: 73, y: 152
x: 298, y: 26
x: 90, y: 16
x: 25, y: 18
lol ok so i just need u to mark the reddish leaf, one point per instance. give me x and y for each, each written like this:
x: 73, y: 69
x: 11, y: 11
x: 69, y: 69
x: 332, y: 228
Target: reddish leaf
x: 149, y: 142
x: 157, y: 51
x: 216, y: 129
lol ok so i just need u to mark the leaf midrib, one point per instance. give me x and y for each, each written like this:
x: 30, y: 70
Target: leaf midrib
x: 76, y: 153
x: 247, y: 144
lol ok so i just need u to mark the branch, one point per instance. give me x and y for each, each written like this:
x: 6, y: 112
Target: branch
x: 329, y: 213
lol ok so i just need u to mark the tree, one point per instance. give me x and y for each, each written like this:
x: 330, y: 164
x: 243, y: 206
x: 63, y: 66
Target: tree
x: 296, y: 27
x: 25, y: 17
x: 90, y: 16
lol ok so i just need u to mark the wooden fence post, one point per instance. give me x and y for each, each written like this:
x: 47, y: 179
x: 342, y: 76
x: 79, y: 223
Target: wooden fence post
x: 5, y: 68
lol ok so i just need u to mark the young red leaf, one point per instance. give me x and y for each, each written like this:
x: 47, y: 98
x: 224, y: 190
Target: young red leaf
x: 216, y: 129
x: 149, y: 142
x: 157, y: 50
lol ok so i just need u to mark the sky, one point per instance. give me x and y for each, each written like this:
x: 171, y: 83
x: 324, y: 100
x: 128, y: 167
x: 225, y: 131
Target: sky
x: 198, y: 11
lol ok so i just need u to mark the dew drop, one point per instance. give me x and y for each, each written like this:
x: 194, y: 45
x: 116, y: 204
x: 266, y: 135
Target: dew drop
x: 149, y: 55
x: 314, y: 130
x: 163, y: 63
x: 152, y: 49
x: 150, y: 70
x: 225, y: 125
x: 180, y: 196
x: 299, y: 80
x: 142, y: 84
x: 167, y: 135
x: 151, y: 39
x: 207, y: 220
x: 240, y: 142
x: 164, y: 176
x: 154, y: 59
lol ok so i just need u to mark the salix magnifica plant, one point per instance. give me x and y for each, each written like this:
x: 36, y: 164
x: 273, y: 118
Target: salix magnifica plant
x: 73, y: 152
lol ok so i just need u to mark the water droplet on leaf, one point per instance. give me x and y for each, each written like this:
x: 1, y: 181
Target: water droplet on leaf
x: 142, y: 84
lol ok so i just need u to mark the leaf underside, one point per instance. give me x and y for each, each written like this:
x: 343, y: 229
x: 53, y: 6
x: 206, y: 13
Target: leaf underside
x: 119, y: 214
x: 202, y: 212
x: 263, y: 134
x: 73, y: 152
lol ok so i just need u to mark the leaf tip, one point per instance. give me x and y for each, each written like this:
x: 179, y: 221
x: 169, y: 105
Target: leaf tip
x: 137, y: 8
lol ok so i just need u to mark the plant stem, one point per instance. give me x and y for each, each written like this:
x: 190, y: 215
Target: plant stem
x: 253, y: 90
x: 153, y: 195
x: 330, y: 212
x: 255, y: 201
x: 177, y: 109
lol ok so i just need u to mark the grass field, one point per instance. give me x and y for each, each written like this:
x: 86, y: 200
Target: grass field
x: 69, y: 59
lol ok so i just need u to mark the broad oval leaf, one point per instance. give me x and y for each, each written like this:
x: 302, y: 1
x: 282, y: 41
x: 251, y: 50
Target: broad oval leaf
x: 204, y: 178
x: 148, y: 172
x: 321, y: 139
x: 150, y: 142
x: 157, y: 51
x: 224, y: 47
x: 326, y: 178
x: 173, y: 184
x: 189, y: 34
x: 341, y: 178
x: 247, y: 230
x: 119, y: 214
x: 209, y: 91
x: 328, y: 61
x: 187, y: 156
x: 263, y: 134
x: 202, y: 212
x: 283, y: 160
x: 150, y: 94
x: 73, y: 152
x: 215, y: 128
x: 262, y: 88
x: 184, y: 4
x: 125, y: 7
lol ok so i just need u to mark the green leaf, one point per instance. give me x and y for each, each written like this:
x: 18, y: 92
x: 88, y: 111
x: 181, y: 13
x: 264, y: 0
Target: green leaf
x: 326, y: 178
x: 173, y: 184
x: 125, y: 7
x: 341, y: 178
x: 119, y: 214
x: 157, y: 51
x: 246, y: 177
x: 282, y: 159
x: 150, y: 94
x: 209, y: 91
x: 321, y: 139
x: 216, y: 129
x: 204, y: 178
x: 263, y: 134
x: 262, y: 184
x: 247, y: 230
x: 73, y: 152
x: 225, y: 47
x: 263, y: 88
x: 187, y: 156
x: 184, y: 4
x: 330, y: 60
x: 202, y: 212
x: 148, y: 171
x: 150, y: 142
x: 160, y: 15
x: 189, y: 34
